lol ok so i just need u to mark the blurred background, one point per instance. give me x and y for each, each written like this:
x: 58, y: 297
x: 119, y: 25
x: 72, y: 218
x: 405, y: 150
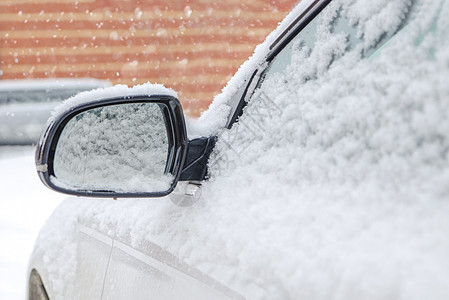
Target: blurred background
x: 191, y: 46
x: 53, y: 49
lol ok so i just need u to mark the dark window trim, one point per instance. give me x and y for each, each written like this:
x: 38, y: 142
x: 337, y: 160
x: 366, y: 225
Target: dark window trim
x: 298, y: 24
x: 295, y: 27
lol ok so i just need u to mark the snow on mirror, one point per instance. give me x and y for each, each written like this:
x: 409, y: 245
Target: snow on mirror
x: 119, y: 148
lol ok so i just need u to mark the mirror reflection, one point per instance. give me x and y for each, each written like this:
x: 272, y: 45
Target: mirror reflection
x: 120, y: 148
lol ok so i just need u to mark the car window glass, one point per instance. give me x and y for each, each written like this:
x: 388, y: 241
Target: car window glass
x: 341, y: 25
x: 305, y: 39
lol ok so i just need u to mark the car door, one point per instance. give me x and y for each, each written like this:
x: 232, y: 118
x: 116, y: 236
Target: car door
x: 150, y: 272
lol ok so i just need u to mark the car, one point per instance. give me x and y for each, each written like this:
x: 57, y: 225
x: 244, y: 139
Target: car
x: 25, y: 105
x: 320, y: 171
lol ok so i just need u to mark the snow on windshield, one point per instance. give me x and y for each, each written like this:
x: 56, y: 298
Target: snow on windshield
x: 339, y: 166
x: 333, y: 184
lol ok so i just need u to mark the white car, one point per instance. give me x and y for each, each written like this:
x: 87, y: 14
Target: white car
x: 26, y: 104
x: 320, y: 172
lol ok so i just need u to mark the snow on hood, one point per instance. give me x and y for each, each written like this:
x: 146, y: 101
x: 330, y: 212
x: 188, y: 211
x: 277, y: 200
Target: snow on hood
x: 341, y: 192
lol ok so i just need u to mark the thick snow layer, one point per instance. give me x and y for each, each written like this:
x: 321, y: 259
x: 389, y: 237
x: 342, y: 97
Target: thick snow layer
x: 122, y: 148
x: 118, y: 90
x: 333, y: 185
x: 25, y: 204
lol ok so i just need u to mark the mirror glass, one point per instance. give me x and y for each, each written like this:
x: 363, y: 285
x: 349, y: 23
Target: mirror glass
x: 120, y: 148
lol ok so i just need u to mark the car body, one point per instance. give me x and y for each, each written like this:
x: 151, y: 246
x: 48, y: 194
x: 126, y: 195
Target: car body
x: 25, y: 105
x: 319, y: 172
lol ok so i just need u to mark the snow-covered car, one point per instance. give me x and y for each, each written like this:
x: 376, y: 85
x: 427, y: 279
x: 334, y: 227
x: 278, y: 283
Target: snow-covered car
x: 25, y: 105
x: 320, y: 172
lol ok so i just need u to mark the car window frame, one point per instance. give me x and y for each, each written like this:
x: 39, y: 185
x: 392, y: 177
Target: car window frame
x: 284, y: 39
x: 280, y: 42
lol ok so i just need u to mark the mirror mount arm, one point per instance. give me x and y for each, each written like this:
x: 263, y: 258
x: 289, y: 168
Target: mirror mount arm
x: 198, y: 152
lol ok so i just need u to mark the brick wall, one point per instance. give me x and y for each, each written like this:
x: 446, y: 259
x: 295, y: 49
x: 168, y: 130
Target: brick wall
x: 192, y: 46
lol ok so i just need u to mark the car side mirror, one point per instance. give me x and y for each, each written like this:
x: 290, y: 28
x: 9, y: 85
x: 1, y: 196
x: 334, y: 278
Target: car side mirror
x: 117, y: 147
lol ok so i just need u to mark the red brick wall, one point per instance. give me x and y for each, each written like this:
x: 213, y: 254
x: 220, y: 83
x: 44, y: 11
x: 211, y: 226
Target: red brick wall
x: 192, y: 46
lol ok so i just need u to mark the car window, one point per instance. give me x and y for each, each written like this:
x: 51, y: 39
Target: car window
x: 305, y: 39
x: 333, y: 43
x: 333, y: 21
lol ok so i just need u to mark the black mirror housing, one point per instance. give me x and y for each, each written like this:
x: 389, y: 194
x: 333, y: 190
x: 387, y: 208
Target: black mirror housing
x: 176, y: 140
